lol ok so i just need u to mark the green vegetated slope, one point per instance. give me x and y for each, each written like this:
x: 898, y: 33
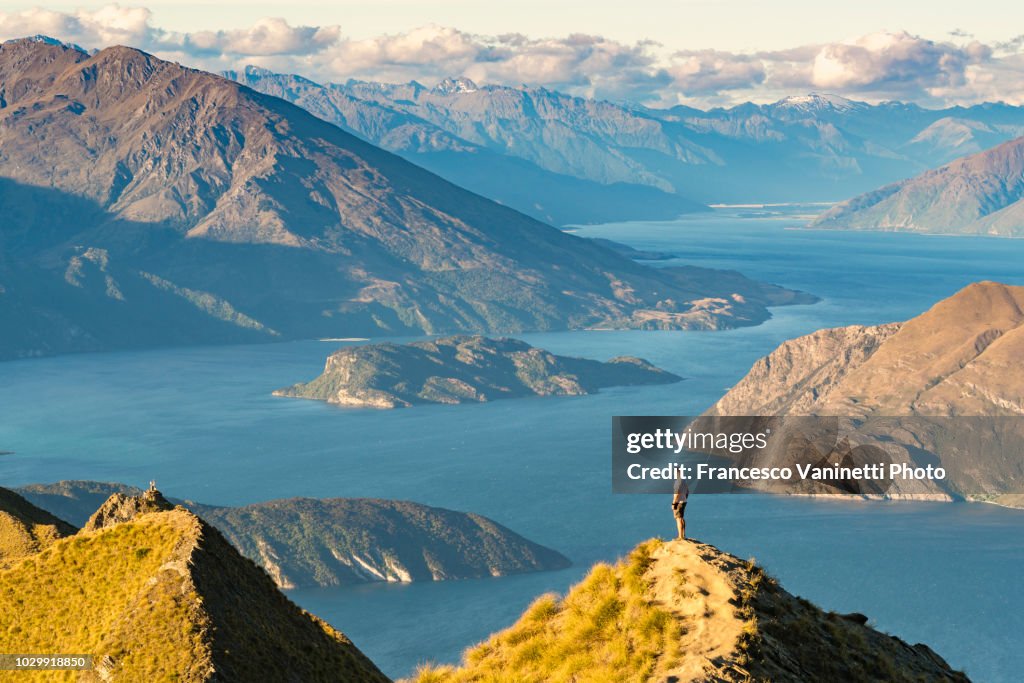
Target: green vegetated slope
x: 325, y: 542
x: 163, y: 596
x: 463, y: 369
x: 303, y: 542
x: 687, y: 611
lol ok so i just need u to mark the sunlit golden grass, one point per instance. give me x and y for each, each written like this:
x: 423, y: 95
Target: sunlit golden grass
x: 105, y: 592
x: 604, y: 630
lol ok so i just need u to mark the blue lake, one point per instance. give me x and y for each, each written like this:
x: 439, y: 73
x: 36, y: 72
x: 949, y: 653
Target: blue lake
x: 201, y: 422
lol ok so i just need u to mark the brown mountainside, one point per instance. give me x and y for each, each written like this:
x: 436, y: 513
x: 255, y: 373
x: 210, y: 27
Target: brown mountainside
x: 957, y: 358
x: 981, y: 194
x: 944, y: 389
x: 148, y: 203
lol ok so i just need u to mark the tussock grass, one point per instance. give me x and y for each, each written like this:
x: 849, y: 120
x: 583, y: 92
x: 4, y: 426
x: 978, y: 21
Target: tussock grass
x: 605, y: 630
x: 77, y: 596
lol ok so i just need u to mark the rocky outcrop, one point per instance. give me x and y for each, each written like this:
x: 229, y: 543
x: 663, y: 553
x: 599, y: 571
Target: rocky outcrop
x: 124, y: 508
x: 463, y: 369
x: 686, y: 611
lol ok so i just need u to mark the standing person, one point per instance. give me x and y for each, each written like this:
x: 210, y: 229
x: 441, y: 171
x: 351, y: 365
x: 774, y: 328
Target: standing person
x: 682, y: 492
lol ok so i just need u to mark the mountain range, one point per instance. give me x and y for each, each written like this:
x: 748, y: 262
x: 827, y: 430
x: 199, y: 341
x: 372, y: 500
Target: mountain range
x: 578, y: 160
x: 981, y: 194
x: 150, y: 204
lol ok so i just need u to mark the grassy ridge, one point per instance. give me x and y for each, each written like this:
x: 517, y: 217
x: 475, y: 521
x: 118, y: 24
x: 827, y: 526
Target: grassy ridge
x: 606, y: 629
x: 164, y: 597
x: 26, y: 529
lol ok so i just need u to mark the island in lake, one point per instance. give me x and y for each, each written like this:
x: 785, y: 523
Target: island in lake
x: 463, y: 369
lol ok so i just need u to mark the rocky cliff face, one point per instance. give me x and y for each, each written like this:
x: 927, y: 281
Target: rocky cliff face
x: 463, y: 369
x: 162, y: 595
x: 802, y: 372
x: 686, y: 611
x: 938, y: 373
x: 303, y: 542
x: 954, y: 359
x: 982, y: 194
x: 146, y: 203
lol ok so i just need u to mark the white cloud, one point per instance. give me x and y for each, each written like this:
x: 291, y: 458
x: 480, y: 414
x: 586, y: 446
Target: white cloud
x: 873, y: 67
x: 266, y: 37
x: 109, y: 25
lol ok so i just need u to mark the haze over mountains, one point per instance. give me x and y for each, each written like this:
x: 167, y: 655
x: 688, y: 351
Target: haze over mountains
x: 146, y: 203
x: 982, y: 194
x: 803, y: 148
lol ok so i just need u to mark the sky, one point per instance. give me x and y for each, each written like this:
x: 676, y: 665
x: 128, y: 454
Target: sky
x: 655, y: 52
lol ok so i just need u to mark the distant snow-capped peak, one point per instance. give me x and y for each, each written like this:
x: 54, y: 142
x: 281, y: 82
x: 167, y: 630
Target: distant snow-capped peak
x: 817, y: 102
x: 451, y: 86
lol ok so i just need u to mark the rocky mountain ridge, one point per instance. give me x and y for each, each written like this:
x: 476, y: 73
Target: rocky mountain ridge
x: 687, y: 611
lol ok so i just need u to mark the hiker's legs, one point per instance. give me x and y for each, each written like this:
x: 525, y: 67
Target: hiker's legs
x: 681, y: 526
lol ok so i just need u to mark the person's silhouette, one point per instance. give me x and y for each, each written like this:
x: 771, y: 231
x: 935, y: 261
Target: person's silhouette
x: 682, y: 492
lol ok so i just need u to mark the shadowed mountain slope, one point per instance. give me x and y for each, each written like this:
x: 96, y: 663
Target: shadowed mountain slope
x: 146, y: 203
x: 26, y: 529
